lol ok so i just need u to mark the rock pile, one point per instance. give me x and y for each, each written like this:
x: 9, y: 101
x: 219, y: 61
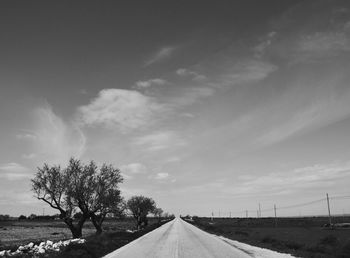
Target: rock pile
x: 42, y: 248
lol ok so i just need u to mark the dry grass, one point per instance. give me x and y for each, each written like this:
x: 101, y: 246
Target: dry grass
x: 15, y: 233
x: 303, y: 237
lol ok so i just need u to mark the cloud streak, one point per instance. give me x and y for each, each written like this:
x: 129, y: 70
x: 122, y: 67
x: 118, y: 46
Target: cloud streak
x: 161, y: 55
x: 150, y: 83
x: 160, y: 140
x: 14, y: 171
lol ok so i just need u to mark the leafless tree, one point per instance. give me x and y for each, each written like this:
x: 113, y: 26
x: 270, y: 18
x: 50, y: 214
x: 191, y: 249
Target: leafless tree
x: 51, y: 186
x: 80, y: 188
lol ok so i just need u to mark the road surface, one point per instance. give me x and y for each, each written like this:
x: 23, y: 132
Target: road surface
x: 178, y: 239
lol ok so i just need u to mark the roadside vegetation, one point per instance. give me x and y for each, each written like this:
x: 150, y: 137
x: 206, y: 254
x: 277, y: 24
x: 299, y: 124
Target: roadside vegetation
x: 303, y: 237
x: 89, y: 205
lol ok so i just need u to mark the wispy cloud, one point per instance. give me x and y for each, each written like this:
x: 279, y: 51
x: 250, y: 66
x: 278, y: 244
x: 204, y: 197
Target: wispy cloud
x: 264, y: 43
x: 121, y: 109
x: 324, y: 108
x: 14, y: 171
x: 161, y: 55
x: 29, y: 156
x: 56, y: 140
x: 134, y: 168
x: 245, y: 71
x: 183, y: 72
x: 159, y: 141
x: 162, y: 176
x: 286, y: 182
x: 151, y: 82
x: 26, y: 136
x: 189, y: 96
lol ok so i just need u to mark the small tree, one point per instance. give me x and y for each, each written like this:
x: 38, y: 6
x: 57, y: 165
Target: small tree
x: 22, y: 217
x: 158, y: 212
x: 140, y: 206
x: 106, y: 198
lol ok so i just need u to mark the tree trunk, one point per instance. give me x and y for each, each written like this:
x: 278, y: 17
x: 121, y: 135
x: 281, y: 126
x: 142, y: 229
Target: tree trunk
x: 97, y: 223
x: 75, y: 230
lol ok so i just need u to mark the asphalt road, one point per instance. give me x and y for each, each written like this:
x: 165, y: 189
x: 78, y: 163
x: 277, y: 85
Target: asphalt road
x: 178, y: 239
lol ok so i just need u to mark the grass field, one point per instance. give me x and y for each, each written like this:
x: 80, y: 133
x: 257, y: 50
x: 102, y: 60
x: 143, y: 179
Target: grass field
x: 303, y: 237
x: 15, y: 233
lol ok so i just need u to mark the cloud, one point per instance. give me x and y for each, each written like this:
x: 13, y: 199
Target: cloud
x: 172, y: 159
x: 14, y: 171
x: 121, y: 109
x: 260, y: 49
x: 189, y: 96
x: 321, y: 45
x: 56, y: 139
x: 29, y: 156
x: 310, y: 179
x: 323, y: 108
x: 286, y: 182
x: 134, y: 168
x: 183, y: 72
x: 161, y: 176
x: 307, y: 39
x: 246, y: 71
x: 26, y: 136
x: 149, y: 83
x: 161, y: 55
x: 159, y: 141
x: 321, y: 42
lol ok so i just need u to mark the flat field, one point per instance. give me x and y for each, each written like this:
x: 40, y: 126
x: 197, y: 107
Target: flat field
x: 303, y: 237
x: 15, y: 233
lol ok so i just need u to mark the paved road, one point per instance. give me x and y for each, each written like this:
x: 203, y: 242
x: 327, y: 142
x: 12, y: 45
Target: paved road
x: 178, y: 239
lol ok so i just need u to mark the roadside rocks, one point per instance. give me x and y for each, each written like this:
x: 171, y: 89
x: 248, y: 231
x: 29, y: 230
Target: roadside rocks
x: 42, y: 248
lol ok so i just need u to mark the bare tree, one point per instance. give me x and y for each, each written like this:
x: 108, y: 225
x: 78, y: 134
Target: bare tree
x: 80, y: 187
x: 50, y: 185
x: 106, y: 198
x: 140, y: 206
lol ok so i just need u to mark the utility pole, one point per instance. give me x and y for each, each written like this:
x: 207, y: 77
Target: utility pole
x: 274, y: 207
x: 212, y: 216
x: 329, y: 211
x: 246, y: 213
x: 259, y: 210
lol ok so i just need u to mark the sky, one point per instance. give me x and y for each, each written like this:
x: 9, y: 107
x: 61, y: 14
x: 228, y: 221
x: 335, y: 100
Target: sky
x: 205, y: 106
